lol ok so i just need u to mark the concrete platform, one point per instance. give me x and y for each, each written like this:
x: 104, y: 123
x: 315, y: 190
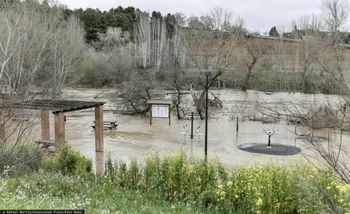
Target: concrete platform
x: 276, y: 149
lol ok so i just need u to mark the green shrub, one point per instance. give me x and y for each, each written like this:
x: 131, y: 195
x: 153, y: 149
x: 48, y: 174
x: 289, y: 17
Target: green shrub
x: 95, y: 195
x: 209, y: 186
x: 20, y: 158
x: 69, y: 162
x: 174, y: 178
x: 179, y: 184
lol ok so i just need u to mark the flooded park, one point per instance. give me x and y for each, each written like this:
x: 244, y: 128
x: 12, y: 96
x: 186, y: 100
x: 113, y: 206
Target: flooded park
x: 127, y: 107
x: 134, y: 137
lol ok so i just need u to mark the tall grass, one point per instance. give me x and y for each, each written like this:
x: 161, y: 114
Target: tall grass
x: 175, y: 184
x: 209, y: 186
x: 55, y: 191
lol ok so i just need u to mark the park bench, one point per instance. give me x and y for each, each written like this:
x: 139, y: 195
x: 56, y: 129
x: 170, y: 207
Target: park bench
x: 17, y: 119
x: 108, y: 125
x: 49, y: 145
x: 46, y: 143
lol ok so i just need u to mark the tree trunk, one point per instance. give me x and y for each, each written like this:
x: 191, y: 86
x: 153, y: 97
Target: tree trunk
x: 304, y: 84
x: 177, y: 103
x: 246, y: 81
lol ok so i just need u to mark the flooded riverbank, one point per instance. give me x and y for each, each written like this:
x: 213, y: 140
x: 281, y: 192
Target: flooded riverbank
x: 134, y: 137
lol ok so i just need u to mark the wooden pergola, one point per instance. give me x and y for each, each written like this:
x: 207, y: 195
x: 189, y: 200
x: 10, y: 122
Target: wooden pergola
x: 58, y: 108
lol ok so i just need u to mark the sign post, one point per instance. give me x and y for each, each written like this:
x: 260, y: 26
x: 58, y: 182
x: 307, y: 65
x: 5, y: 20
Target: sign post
x: 159, y: 109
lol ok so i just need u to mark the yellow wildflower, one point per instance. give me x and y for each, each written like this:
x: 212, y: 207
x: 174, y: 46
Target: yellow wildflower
x: 190, y: 168
x: 259, y: 202
x: 222, y: 195
x: 343, y: 188
x: 277, y: 205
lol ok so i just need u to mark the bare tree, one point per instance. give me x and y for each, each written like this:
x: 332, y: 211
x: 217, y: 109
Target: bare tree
x: 335, y: 14
x: 114, y: 59
x: 212, y: 48
x: 22, y: 44
x: 325, y: 118
x: 150, y: 40
x: 331, y: 61
x: 154, y: 48
x: 173, y: 69
x: 306, y: 51
x: 143, y: 39
x: 307, y: 56
x: 310, y: 24
x: 37, y: 45
x: 137, y: 91
x: 207, y: 21
x: 195, y: 23
x: 181, y: 19
x: 334, y: 71
x: 67, y: 48
x: 221, y: 18
x: 253, y: 51
x: 112, y: 39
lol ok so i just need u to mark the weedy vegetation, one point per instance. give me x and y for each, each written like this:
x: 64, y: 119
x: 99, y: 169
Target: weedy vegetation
x: 173, y: 184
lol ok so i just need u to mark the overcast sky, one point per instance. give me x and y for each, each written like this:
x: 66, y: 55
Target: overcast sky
x: 258, y: 15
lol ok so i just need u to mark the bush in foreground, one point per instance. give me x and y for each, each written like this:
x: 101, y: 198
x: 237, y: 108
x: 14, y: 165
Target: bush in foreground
x: 95, y: 196
x: 259, y: 189
x: 68, y: 162
x: 177, y: 184
x: 20, y: 158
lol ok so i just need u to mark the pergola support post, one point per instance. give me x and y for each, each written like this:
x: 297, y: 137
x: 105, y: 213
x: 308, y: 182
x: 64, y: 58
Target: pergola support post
x: 99, y: 128
x: 150, y: 116
x: 59, y: 129
x: 45, y: 124
x: 99, y: 163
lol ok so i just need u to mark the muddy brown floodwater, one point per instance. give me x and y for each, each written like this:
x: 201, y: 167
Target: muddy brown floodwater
x: 134, y: 137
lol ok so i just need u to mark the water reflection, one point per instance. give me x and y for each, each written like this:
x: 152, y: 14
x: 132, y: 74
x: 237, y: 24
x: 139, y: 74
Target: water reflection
x: 237, y: 139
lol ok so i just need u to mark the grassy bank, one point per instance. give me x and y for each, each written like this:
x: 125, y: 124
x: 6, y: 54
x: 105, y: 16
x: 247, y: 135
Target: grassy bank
x: 94, y: 195
x: 174, y: 184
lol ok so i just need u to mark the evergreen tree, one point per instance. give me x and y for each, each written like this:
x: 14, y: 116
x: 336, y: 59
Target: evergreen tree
x: 273, y: 32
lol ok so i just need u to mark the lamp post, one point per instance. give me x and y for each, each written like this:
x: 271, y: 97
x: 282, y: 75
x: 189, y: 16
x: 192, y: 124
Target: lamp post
x: 207, y: 74
x: 206, y: 114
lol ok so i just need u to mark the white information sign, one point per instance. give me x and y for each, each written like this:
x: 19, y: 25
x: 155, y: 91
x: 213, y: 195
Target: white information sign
x: 160, y: 110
